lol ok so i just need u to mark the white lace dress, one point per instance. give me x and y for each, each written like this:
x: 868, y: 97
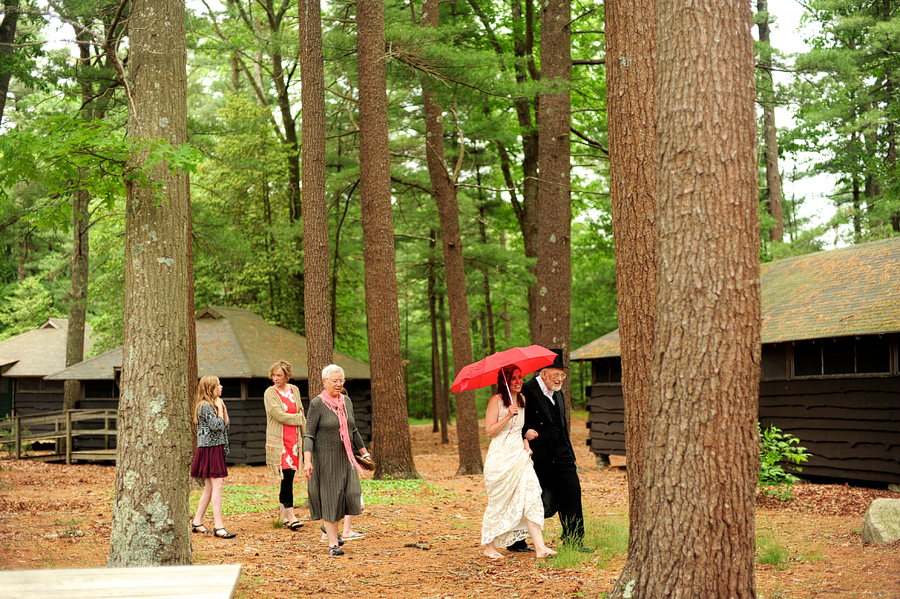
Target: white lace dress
x: 513, y: 490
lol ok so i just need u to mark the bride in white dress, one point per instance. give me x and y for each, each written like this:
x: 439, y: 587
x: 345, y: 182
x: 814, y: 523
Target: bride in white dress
x: 514, y: 506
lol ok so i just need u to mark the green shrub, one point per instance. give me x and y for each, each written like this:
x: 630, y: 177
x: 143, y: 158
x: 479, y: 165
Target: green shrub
x: 777, y: 448
x: 8, y: 443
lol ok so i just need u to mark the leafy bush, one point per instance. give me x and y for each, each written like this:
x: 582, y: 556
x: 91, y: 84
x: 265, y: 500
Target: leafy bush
x: 8, y: 442
x: 777, y: 448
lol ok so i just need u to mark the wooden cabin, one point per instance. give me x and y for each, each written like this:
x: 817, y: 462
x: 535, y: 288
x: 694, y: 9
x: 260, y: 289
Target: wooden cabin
x: 239, y: 347
x: 830, y: 334
x: 24, y: 362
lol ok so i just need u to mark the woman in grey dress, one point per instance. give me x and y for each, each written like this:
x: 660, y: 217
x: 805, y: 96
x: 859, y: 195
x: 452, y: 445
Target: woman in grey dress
x: 328, y: 463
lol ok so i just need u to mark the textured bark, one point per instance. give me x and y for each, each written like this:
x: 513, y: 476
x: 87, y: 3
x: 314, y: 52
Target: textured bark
x: 767, y: 100
x: 155, y: 438
x: 441, y: 412
x: 444, y: 189
x: 702, y: 447
x: 631, y: 104
x: 81, y: 218
x: 390, y: 421
x: 554, y: 259
x: 7, y: 39
x: 316, y: 291
x: 444, y: 409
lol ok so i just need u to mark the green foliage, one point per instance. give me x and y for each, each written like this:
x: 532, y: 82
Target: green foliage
x: 769, y: 550
x: 608, y: 537
x: 392, y: 492
x: 26, y: 305
x: 777, y: 448
x: 8, y: 442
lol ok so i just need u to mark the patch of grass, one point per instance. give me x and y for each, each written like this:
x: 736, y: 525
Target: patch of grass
x: 812, y: 554
x: 401, y: 491
x: 769, y: 550
x: 244, y: 499
x: 608, y: 537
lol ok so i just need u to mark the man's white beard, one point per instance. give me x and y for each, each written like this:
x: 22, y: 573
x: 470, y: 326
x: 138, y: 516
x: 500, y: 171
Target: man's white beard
x: 554, y: 387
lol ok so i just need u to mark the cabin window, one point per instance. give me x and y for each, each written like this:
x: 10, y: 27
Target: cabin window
x: 774, y: 361
x: 257, y: 388
x: 231, y: 388
x: 867, y: 354
x: 607, y: 370
x: 839, y: 356
x: 808, y: 358
x: 100, y: 390
x: 873, y: 354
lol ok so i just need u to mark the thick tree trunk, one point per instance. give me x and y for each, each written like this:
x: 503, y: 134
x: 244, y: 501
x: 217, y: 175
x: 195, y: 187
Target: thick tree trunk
x: 151, y: 509
x: 390, y: 420
x: 702, y: 458
x: 444, y: 189
x: 444, y: 399
x: 7, y: 47
x: 554, y: 260
x: 316, y: 250
x: 436, y: 383
x: 767, y: 91
x: 81, y: 219
x: 631, y: 102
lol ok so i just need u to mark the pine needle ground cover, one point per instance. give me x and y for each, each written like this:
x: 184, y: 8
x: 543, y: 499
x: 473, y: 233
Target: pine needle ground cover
x: 422, y: 537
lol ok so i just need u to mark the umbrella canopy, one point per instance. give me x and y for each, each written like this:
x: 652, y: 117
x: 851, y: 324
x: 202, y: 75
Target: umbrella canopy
x: 483, y: 373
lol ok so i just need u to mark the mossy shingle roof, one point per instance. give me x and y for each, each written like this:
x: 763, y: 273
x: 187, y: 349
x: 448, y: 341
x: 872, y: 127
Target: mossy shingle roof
x: 848, y: 291
x: 38, y: 352
x: 231, y: 343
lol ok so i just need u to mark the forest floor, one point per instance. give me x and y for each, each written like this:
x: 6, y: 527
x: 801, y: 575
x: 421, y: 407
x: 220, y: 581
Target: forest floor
x: 422, y: 538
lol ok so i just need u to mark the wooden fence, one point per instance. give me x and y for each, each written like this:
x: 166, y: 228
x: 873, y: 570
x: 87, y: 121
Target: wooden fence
x: 60, y: 428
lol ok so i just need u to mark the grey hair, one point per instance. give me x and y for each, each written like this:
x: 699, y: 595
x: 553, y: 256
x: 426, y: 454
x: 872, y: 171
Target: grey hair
x: 331, y: 369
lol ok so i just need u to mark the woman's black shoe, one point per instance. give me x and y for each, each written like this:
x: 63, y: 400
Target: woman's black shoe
x: 223, y: 534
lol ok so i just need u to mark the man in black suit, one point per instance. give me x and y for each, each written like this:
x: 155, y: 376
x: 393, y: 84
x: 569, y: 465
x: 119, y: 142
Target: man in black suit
x: 547, y: 430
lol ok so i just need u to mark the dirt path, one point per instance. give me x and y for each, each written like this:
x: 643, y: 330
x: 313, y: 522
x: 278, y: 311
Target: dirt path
x: 54, y: 516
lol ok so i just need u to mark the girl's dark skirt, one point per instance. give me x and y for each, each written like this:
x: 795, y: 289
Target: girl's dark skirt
x: 209, y: 462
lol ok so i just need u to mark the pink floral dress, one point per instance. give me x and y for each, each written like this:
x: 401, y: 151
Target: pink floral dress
x: 290, y: 453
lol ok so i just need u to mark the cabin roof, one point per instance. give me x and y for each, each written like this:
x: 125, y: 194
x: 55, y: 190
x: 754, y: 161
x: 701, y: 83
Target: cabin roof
x: 231, y: 343
x: 848, y: 291
x: 39, y: 352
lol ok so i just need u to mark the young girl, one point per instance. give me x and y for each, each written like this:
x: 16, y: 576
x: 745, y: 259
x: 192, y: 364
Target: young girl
x: 211, y: 418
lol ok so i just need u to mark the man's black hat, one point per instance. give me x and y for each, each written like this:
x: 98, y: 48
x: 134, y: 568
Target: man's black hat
x: 558, y: 360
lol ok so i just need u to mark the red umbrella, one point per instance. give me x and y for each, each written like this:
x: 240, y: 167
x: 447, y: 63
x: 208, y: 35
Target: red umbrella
x: 484, y: 372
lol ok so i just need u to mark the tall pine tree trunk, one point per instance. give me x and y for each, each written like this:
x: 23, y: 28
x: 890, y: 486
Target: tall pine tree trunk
x: 702, y: 460
x: 767, y: 91
x: 554, y: 259
x: 316, y: 250
x: 155, y: 439
x: 444, y: 189
x: 390, y: 420
x: 81, y: 218
x: 7, y: 47
x: 631, y: 103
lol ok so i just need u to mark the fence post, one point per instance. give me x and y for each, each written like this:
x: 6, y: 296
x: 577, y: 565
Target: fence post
x: 18, y: 438
x: 68, y: 437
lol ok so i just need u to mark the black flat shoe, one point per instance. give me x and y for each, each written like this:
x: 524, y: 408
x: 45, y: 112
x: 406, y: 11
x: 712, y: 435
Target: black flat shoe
x: 223, y: 534
x: 199, y: 528
x: 335, y: 550
x: 520, y: 549
x: 584, y: 549
x: 294, y: 525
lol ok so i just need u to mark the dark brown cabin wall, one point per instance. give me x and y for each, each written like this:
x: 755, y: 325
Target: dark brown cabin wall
x: 606, y: 419
x: 850, y: 425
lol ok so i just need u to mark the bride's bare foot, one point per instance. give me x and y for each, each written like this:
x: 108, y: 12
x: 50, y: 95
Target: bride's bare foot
x: 544, y: 553
x: 493, y: 553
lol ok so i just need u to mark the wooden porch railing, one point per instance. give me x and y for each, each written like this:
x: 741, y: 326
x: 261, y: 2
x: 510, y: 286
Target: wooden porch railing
x: 64, y: 425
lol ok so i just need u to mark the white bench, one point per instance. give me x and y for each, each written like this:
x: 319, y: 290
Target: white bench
x: 173, y: 582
